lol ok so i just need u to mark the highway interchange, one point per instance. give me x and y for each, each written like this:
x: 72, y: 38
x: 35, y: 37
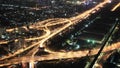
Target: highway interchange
x: 46, y: 26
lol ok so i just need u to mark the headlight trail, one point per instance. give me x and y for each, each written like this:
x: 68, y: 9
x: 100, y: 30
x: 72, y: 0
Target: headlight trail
x: 60, y: 55
x: 116, y: 6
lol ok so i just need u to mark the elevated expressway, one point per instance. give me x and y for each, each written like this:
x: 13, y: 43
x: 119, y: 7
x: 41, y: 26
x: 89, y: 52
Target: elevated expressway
x: 47, y: 27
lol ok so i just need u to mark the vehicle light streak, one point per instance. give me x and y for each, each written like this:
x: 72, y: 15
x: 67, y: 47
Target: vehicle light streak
x: 116, y: 6
x: 60, y: 55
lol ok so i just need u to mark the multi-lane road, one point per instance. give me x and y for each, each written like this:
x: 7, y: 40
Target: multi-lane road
x: 49, y: 32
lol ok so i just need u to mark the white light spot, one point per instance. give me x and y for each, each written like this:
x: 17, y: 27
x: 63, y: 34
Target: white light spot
x: 86, y: 25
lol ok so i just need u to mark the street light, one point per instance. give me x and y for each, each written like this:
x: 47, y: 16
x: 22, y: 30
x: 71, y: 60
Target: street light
x: 91, y: 41
x: 88, y: 40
